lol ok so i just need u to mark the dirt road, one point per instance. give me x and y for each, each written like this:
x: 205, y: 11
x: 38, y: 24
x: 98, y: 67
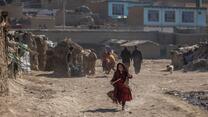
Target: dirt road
x: 41, y: 95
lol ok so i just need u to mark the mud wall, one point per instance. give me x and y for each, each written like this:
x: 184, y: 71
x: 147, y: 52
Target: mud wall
x: 3, y: 66
x: 95, y: 38
x: 98, y: 36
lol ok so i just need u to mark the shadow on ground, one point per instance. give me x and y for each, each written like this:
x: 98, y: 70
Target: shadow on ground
x: 52, y: 75
x: 102, y: 110
x: 101, y: 76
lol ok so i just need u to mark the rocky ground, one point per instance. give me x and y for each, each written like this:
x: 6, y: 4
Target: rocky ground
x: 41, y: 95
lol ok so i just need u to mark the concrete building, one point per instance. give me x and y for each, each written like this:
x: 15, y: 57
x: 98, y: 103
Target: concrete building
x: 136, y: 17
x: 120, y: 8
x: 147, y: 13
x: 31, y: 3
x: 175, y: 16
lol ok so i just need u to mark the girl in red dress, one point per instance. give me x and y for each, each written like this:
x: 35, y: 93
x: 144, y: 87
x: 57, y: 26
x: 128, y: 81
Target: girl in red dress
x: 122, y: 92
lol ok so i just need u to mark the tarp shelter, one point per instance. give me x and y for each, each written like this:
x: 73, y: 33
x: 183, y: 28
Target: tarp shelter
x: 149, y: 49
x: 66, y: 57
x: 115, y: 44
x: 112, y: 42
x: 25, y: 62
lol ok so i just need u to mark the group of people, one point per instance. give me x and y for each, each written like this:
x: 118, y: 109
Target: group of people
x: 135, y: 56
x: 109, y: 59
x: 120, y: 80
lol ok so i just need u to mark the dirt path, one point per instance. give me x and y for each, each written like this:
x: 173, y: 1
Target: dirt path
x: 39, y: 95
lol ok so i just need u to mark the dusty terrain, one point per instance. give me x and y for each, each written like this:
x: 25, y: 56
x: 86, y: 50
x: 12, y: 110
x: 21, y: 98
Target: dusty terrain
x: 42, y: 95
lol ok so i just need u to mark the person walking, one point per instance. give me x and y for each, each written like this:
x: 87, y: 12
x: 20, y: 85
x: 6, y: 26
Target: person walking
x: 137, y: 60
x: 126, y: 57
x: 120, y: 80
x: 111, y: 61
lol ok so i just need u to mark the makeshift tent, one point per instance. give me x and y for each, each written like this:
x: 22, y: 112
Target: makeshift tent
x: 67, y: 58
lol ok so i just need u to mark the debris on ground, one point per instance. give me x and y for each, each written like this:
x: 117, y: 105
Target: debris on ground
x: 191, y: 58
x: 198, y: 98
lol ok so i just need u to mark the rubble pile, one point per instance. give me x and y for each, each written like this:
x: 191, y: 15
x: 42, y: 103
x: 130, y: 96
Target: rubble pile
x: 191, y: 58
x: 198, y: 98
x: 80, y: 16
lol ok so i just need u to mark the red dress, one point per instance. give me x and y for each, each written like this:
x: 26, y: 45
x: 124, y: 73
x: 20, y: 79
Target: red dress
x: 122, y: 92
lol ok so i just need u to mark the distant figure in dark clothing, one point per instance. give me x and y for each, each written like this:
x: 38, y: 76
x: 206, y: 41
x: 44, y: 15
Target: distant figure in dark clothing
x: 137, y: 60
x: 104, y: 60
x: 126, y: 57
x: 188, y: 57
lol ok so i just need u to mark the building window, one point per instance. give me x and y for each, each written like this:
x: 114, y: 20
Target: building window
x: 188, y: 17
x: 153, y: 15
x: 118, y: 9
x: 169, y: 16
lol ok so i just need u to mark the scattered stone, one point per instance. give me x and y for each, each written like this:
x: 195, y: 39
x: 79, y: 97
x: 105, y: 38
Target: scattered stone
x: 197, y: 98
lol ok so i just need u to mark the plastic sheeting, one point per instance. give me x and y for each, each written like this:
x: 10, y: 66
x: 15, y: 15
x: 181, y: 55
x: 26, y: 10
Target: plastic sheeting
x: 25, y: 61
